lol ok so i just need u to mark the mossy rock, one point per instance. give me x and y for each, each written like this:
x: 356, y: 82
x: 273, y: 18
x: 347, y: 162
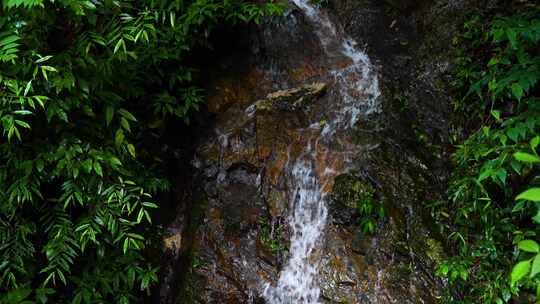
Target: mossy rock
x: 434, y: 250
x: 361, y: 243
x: 290, y: 100
x: 350, y: 197
x: 349, y: 190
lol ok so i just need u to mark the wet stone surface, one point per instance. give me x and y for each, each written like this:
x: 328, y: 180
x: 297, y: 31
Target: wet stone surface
x: 243, y: 241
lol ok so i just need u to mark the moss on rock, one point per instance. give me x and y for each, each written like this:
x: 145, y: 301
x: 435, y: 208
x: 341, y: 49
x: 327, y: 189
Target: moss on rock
x: 290, y: 100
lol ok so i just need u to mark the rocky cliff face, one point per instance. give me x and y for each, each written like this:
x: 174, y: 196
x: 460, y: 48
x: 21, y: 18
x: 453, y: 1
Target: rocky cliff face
x: 231, y: 234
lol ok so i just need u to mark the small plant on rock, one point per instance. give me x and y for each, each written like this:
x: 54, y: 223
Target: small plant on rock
x: 349, y: 191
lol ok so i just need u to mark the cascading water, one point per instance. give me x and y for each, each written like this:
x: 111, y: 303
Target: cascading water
x: 357, y: 92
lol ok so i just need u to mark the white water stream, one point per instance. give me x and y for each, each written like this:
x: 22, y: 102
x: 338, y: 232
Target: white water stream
x: 358, y: 92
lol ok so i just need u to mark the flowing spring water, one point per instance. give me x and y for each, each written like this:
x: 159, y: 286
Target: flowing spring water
x: 357, y: 90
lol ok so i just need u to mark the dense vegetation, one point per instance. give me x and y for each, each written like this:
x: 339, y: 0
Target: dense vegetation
x: 85, y: 84
x: 82, y: 85
x: 492, y: 216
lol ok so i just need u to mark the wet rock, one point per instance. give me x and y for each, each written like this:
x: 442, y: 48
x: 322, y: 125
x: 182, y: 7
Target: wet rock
x: 359, y: 269
x: 361, y: 243
x: 259, y: 135
x: 348, y: 194
x: 173, y: 243
x: 276, y: 201
x: 227, y: 92
x: 244, y: 157
x: 290, y: 100
x: 341, y: 270
x: 242, y: 241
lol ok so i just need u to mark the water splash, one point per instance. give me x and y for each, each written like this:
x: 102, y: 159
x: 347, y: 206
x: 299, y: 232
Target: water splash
x: 297, y: 282
x: 357, y: 90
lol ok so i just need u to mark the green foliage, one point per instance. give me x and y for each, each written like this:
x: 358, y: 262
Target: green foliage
x: 271, y: 235
x: 353, y: 192
x: 494, y: 190
x: 82, y: 84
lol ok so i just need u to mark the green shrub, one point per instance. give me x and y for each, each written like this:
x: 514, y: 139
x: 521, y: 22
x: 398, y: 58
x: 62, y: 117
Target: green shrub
x: 82, y: 84
x: 489, y: 223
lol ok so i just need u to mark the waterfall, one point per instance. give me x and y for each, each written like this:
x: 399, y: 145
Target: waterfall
x: 357, y: 90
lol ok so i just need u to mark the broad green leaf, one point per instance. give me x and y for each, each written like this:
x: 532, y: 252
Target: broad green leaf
x: 125, y: 124
x: 517, y: 90
x: 501, y: 174
x: 534, y: 142
x: 97, y: 168
x: 513, y: 134
x: 526, y: 157
x: 520, y: 270
x: 131, y: 150
x: 503, y: 138
x: 516, y: 166
x: 113, y: 160
x: 485, y: 174
x: 87, y: 165
x: 536, y: 218
x: 535, y: 266
x: 89, y: 5
x: 529, y: 246
x: 532, y: 194
x: 119, y: 137
x: 519, y: 206
x: 127, y: 114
